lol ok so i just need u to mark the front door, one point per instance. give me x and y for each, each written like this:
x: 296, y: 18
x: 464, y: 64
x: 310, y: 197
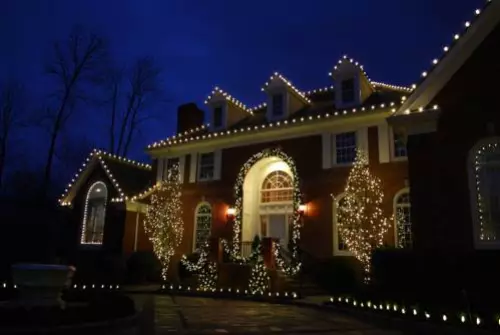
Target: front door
x: 278, y: 228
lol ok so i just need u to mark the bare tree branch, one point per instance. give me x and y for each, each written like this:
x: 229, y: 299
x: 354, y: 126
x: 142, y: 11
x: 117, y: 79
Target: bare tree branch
x: 77, y: 61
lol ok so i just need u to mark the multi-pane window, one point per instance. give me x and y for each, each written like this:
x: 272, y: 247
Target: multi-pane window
x: 170, y: 165
x: 278, y: 105
x: 203, y: 225
x: 94, y: 215
x: 348, y: 95
x: 403, y: 220
x: 345, y: 147
x: 486, y: 188
x: 399, y: 145
x: 206, y: 166
x: 218, y: 114
x: 277, y: 187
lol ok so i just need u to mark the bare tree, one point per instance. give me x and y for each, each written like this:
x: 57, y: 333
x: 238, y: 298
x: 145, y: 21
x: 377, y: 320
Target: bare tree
x: 77, y: 62
x: 143, y: 87
x: 11, y: 118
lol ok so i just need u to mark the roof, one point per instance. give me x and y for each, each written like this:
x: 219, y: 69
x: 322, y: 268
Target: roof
x: 129, y: 178
x: 320, y: 104
x: 453, y: 56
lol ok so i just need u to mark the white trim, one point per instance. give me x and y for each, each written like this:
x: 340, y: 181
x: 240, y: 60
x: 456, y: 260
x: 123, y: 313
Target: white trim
x: 182, y: 168
x: 335, y: 205
x: 159, y: 169
x: 394, y: 208
x: 473, y: 195
x: 451, y: 63
x: 217, y: 164
x: 195, y: 222
x: 383, y: 143
x: 290, y: 131
x: 362, y: 140
x: 85, y: 213
x: 136, y: 230
x: 326, y: 140
x: 193, y: 166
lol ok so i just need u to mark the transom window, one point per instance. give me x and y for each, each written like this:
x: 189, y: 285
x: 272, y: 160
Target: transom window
x: 485, y: 191
x: 203, y: 225
x: 399, y: 145
x: 345, y: 147
x: 403, y: 220
x: 206, y: 166
x: 277, y: 187
x: 94, y: 215
x: 278, y: 106
x: 218, y: 112
x: 348, y: 91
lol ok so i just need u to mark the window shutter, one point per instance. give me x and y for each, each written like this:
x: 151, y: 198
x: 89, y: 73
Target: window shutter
x: 159, y: 169
x: 193, y: 167
x: 327, y: 150
x: 362, y: 139
x: 383, y: 143
x: 217, y: 164
x: 182, y: 168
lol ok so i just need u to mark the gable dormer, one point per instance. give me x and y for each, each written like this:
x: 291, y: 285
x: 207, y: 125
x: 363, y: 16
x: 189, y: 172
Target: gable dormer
x: 225, y: 110
x: 352, y: 85
x: 283, y: 99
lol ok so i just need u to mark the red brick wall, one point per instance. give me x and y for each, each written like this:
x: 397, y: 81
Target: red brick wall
x: 438, y: 162
x: 143, y: 243
x: 317, y: 185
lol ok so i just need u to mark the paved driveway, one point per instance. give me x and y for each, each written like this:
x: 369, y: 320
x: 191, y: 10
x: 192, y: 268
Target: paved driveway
x: 209, y: 316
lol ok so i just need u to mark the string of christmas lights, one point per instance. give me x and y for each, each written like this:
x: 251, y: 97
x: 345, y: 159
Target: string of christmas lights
x: 207, y: 280
x: 259, y: 279
x: 163, y: 223
x: 234, y: 249
x: 362, y: 224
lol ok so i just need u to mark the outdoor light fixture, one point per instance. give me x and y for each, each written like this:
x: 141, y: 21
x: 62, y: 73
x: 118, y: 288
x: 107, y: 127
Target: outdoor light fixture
x: 302, y: 208
x: 230, y: 212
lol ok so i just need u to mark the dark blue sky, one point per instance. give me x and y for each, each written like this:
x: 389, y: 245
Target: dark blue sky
x: 234, y: 44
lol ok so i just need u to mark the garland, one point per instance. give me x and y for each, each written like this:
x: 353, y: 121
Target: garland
x: 234, y: 250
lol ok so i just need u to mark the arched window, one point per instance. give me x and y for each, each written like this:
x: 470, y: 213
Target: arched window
x: 339, y: 246
x: 277, y: 187
x: 203, y: 222
x: 94, y: 215
x: 484, y: 176
x: 403, y: 231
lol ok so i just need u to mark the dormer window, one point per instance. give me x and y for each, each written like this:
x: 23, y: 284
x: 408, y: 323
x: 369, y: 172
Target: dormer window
x: 348, y: 91
x: 278, y: 106
x: 218, y: 117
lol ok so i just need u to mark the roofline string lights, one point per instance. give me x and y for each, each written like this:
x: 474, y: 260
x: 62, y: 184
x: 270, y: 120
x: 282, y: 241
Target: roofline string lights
x: 227, y: 97
x: 346, y: 58
x: 288, y: 83
x: 446, y: 48
x: 170, y: 142
x: 99, y: 154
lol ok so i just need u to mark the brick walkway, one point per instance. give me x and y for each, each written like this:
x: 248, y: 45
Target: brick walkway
x: 187, y: 315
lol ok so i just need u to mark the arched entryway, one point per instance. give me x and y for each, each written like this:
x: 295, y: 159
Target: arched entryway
x: 268, y: 206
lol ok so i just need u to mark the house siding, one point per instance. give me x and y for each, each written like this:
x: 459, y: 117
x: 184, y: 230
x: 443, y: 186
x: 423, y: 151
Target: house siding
x: 438, y: 162
x: 317, y: 185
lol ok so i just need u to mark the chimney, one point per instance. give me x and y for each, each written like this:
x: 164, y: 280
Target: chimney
x: 189, y: 116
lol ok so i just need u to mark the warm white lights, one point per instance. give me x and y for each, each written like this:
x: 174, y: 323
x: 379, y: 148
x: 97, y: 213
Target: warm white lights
x: 217, y: 92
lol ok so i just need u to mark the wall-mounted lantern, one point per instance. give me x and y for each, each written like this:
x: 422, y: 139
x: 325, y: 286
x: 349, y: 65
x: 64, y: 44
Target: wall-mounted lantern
x: 230, y: 213
x: 302, y: 209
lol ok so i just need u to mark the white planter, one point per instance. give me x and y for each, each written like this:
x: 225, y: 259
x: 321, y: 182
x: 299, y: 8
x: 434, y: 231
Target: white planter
x: 41, y: 284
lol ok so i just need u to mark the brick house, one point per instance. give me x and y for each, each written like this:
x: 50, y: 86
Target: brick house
x: 419, y: 141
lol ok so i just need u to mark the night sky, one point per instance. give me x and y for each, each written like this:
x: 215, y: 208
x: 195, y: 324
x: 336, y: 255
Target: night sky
x: 236, y: 45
